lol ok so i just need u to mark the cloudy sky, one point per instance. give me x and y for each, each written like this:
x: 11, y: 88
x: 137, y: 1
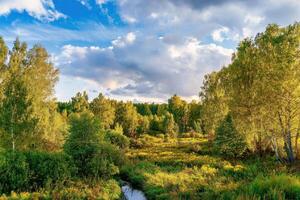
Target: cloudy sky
x: 145, y: 50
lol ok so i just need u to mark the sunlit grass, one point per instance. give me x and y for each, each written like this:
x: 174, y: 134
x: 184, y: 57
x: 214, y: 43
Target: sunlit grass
x: 186, y: 168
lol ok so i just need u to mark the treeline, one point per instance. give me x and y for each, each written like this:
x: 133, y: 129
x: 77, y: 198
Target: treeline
x: 173, y: 118
x: 259, y: 92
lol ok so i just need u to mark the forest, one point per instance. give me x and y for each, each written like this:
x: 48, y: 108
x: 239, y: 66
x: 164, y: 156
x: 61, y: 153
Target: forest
x: 240, y: 140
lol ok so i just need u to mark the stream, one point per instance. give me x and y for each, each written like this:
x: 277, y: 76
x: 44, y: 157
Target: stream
x: 131, y: 193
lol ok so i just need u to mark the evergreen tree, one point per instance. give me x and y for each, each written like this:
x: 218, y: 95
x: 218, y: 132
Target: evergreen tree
x: 228, y: 141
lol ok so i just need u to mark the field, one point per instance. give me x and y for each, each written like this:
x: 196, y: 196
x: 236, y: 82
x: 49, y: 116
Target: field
x: 185, y: 168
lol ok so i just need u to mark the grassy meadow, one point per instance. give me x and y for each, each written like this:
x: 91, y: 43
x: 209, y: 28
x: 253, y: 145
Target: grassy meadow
x: 186, y: 168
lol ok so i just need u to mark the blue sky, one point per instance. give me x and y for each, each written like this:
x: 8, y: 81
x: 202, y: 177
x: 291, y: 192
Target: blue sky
x: 139, y: 49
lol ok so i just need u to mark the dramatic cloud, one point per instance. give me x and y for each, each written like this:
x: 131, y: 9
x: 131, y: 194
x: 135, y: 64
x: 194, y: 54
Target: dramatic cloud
x: 40, y: 9
x: 200, y: 18
x: 139, y: 48
x: 145, y: 66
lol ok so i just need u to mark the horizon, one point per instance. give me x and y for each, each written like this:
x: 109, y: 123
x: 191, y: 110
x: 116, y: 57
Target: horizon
x: 129, y: 51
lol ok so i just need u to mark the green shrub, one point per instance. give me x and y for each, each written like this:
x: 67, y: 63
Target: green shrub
x: 47, y: 169
x: 14, y: 172
x: 102, y: 168
x: 117, y: 139
x: 92, y: 157
x: 30, y: 171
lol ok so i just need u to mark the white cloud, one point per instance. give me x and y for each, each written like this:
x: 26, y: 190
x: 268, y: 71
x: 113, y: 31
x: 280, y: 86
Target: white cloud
x: 219, y: 35
x: 148, y: 67
x: 40, y: 9
x: 123, y: 41
x: 100, y: 2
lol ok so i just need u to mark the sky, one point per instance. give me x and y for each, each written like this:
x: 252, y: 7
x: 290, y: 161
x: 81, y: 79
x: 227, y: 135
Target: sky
x: 139, y: 50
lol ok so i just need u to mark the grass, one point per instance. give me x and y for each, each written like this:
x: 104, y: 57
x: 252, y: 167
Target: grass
x: 186, y: 168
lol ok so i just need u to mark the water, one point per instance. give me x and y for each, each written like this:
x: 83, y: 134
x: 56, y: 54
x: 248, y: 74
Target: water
x: 132, y: 194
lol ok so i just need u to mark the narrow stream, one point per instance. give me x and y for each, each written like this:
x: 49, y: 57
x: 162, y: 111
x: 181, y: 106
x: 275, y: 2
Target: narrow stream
x: 131, y: 193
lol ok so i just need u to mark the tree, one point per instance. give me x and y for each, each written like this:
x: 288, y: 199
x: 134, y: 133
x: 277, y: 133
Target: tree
x: 31, y: 72
x: 228, y: 140
x: 83, y: 140
x: 143, y: 124
x: 263, y: 88
x: 127, y: 117
x: 104, y: 110
x: 214, y: 102
x: 143, y: 108
x: 40, y: 77
x: 80, y: 102
x: 169, y: 126
x: 16, y: 116
x: 195, y: 117
x: 179, y: 109
x: 155, y: 123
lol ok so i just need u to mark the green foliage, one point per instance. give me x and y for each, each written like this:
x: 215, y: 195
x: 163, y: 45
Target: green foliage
x: 102, y: 190
x: 228, y: 141
x: 179, y: 109
x: 117, y: 138
x: 127, y: 117
x: 27, y: 83
x: 143, y: 109
x: 48, y: 169
x: 106, y: 161
x: 14, y: 172
x: 103, y: 109
x: 169, y: 126
x: 21, y: 171
x: 214, y: 103
x: 143, y: 125
x: 155, y: 125
x: 93, y: 158
x: 83, y: 141
x: 80, y: 102
x: 16, y: 119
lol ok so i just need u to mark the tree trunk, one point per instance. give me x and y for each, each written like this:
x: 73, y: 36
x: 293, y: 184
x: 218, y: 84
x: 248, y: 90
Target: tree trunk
x: 296, y: 145
x: 288, y: 147
x: 275, y: 147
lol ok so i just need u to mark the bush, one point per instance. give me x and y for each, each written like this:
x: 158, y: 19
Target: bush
x: 48, y: 169
x: 14, y: 172
x: 106, y: 161
x: 117, y: 139
x: 111, y: 153
x: 33, y: 170
x: 102, y: 168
